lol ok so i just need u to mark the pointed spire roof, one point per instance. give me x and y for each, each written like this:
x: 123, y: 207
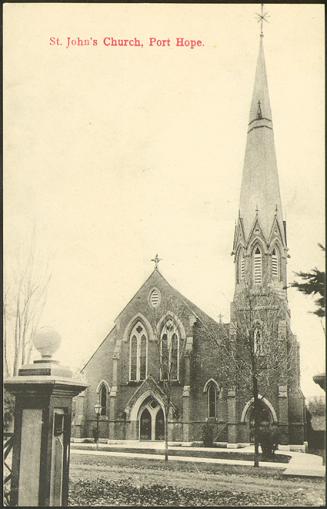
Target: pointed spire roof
x: 260, y: 195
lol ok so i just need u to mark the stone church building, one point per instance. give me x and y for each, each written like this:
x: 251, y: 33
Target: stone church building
x: 160, y: 328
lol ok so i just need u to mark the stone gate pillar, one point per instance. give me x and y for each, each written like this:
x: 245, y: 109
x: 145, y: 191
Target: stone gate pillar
x: 43, y: 392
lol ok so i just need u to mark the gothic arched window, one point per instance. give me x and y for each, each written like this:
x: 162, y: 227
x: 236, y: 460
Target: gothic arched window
x: 169, y: 352
x: 240, y: 266
x: 258, y: 342
x: 138, y: 353
x: 275, y: 273
x: 212, y: 397
x: 257, y: 266
x: 103, y: 397
x: 103, y: 400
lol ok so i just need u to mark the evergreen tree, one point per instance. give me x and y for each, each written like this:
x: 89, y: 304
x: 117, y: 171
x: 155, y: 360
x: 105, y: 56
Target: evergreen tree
x: 313, y: 283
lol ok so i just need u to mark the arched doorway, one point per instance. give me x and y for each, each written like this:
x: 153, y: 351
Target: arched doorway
x: 160, y: 425
x: 265, y: 418
x: 151, y: 420
x: 145, y: 425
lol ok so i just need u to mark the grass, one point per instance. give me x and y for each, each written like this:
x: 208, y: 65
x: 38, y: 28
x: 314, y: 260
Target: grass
x: 130, y: 481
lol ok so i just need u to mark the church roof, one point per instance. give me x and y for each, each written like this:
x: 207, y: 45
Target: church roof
x: 260, y: 192
x: 201, y: 315
x: 156, y: 276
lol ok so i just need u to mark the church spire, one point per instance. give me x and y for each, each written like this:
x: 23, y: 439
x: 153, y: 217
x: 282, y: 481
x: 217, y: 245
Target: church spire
x: 260, y: 185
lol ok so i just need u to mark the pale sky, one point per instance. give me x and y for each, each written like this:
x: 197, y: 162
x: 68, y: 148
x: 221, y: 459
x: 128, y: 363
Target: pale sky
x: 115, y: 154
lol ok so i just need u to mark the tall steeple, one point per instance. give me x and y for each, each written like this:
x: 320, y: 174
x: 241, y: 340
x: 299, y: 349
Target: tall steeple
x: 260, y: 234
x: 260, y: 195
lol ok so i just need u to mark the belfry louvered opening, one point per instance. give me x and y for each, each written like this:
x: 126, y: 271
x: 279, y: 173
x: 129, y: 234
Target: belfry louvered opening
x: 275, y: 264
x: 240, y: 266
x: 257, y: 266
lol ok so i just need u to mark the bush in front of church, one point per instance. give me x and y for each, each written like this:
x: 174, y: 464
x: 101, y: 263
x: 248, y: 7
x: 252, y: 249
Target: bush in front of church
x: 268, y: 440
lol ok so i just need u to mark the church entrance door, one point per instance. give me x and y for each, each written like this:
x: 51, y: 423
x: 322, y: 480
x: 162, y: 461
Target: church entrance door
x: 160, y: 426
x: 145, y: 425
x: 151, y: 420
x: 265, y: 419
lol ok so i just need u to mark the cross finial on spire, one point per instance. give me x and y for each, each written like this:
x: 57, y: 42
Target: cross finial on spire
x: 261, y: 18
x: 156, y: 261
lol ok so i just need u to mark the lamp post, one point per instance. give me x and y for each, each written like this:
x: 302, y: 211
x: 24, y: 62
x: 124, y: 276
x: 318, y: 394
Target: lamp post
x: 97, y: 409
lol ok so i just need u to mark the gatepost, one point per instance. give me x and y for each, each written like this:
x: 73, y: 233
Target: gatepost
x: 43, y: 391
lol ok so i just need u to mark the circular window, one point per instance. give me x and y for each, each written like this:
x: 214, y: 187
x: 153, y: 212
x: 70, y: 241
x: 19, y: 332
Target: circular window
x: 154, y: 298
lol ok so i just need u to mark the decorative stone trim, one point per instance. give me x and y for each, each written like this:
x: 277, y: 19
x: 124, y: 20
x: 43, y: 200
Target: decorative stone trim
x: 189, y: 344
x: 113, y: 392
x: 151, y: 304
x: 264, y: 400
x: 282, y: 391
x: 170, y: 315
x: 208, y: 382
x: 133, y: 321
x: 105, y: 383
x: 186, y: 390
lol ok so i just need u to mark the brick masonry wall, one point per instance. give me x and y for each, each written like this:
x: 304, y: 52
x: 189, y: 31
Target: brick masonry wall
x: 204, y: 364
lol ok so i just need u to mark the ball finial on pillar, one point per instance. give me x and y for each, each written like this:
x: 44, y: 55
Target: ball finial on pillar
x: 47, y: 342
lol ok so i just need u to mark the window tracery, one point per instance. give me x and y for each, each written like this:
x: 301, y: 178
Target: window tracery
x: 138, y: 353
x: 169, y: 352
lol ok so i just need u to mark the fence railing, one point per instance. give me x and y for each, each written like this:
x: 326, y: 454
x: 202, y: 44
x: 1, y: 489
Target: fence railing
x: 8, y: 441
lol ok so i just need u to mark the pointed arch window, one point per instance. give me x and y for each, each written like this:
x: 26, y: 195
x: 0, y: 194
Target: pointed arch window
x: 258, y: 342
x: 138, y: 352
x: 275, y: 260
x: 257, y: 266
x: 103, y: 397
x: 103, y: 400
x: 240, y: 266
x: 169, y: 352
x: 212, y: 399
x: 212, y: 389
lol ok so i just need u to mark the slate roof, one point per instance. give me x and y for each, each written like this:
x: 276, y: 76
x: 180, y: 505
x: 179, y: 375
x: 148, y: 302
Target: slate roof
x: 209, y: 323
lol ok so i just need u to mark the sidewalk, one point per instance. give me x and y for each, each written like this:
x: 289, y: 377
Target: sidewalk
x: 301, y: 464
x: 193, y: 459
x: 305, y: 465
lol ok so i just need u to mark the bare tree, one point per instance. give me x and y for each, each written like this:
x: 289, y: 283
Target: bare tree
x: 250, y: 350
x: 25, y: 293
x: 170, y: 352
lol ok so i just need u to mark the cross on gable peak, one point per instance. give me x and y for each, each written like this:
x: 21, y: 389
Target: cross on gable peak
x: 156, y: 261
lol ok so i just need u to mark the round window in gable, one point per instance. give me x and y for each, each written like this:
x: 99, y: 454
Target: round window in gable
x: 154, y: 298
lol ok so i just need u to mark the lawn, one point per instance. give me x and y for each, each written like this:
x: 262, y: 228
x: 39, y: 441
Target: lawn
x: 103, y: 481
